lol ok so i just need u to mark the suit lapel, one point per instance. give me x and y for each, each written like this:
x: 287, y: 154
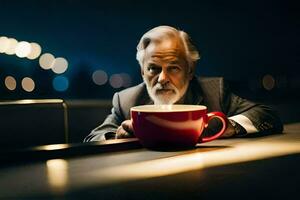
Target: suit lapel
x: 145, y: 98
x: 194, y: 94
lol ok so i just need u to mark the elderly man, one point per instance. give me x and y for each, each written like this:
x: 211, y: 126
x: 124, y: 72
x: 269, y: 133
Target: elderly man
x: 168, y: 59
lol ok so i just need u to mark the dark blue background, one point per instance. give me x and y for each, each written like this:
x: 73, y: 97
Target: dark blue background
x: 240, y: 40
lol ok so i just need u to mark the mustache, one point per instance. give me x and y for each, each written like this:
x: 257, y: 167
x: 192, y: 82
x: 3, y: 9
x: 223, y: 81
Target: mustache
x: 160, y: 86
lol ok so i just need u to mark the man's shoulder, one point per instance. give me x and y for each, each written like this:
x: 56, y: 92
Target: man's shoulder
x: 210, y: 84
x: 212, y: 91
x: 210, y: 80
x: 132, y: 91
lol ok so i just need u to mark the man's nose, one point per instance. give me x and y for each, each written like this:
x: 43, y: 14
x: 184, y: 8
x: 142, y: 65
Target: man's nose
x: 163, y: 77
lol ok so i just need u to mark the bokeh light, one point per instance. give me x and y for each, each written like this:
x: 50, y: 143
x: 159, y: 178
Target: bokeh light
x: 268, y: 82
x: 23, y: 49
x: 46, y: 60
x: 60, y: 83
x: 126, y: 79
x: 28, y: 84
x: 59, y: 65
x: 4, y: 44
x: 116, y: 81
x: 35, y: 51
x: 11, y: 48
x: 10, y: 83
x: 99, y: 77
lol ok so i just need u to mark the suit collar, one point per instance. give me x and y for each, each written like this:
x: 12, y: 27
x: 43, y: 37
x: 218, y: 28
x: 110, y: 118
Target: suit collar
x: 194, y: 93
x: 145, y: 98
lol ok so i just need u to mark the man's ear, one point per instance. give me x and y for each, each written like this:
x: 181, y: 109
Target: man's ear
x: 142, y: 71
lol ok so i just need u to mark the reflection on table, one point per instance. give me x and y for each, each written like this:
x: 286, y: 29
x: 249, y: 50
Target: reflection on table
x: 245, y: 167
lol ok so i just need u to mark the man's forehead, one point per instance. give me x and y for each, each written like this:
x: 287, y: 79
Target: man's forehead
x: 170, y: 51
x: 164, y: 57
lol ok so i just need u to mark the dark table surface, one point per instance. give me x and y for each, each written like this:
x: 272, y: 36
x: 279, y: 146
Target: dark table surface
x: 247, y: 168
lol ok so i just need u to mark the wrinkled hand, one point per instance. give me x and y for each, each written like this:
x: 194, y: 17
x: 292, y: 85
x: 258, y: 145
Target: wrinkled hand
x: 229, y: 132
x: 125, y: 130
x: 215, y: 126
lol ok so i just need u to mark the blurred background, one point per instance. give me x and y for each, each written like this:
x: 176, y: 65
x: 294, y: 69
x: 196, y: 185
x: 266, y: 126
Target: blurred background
x: 75, y: 49
x: 84, y: 51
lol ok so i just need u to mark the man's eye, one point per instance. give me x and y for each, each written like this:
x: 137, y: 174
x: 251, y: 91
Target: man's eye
x: 174, y: 69
x: 153, y: 69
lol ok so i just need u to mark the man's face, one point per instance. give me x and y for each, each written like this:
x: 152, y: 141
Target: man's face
x: 166, y: 72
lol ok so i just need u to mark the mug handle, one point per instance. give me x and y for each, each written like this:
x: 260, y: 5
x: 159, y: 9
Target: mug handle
x: 223, y: 119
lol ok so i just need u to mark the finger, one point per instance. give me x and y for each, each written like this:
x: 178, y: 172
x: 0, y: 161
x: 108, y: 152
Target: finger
x: 127, y: 126
x: 228, y: 133
x: 121, y: 133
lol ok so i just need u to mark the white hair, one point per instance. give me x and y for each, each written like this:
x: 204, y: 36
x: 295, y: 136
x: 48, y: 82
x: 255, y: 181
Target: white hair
x: 160, y: 33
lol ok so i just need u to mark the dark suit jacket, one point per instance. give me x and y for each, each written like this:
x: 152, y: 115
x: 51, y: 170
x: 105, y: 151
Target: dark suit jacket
x: 211, y: 92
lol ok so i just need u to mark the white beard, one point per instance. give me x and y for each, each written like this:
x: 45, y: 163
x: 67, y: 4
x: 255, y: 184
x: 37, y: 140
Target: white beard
x: 168, y: 99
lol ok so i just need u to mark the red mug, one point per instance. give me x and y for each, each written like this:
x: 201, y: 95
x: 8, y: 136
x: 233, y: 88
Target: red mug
x: 173, y: 125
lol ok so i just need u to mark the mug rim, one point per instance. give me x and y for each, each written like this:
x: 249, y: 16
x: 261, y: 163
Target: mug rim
x: 167, y: 108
